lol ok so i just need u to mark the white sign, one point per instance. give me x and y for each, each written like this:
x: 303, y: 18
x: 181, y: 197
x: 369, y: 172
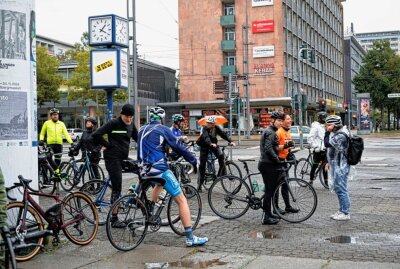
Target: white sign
x: 394, y: 95
x: 259, y: 3
x: 124, y: 69
x: 263, y: 51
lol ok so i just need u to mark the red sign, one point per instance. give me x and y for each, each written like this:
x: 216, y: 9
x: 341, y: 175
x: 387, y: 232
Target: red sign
x: 264, y: 120
x: 264, y: 69
x: 208, y: 112
x: 265, y: 26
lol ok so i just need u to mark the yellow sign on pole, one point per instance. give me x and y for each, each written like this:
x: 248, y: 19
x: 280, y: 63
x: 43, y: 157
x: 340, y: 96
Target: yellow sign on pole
x: 104, y: 65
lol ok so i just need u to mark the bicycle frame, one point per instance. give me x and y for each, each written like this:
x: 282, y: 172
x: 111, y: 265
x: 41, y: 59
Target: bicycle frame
x: 86, y: 166
x: 100, y: 197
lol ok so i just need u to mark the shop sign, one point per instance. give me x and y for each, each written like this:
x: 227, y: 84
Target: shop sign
x: 260, y: 3
x: 264, y: 69
x: 265, y: 26
x: 263, y: 51
x: 264, y: 120
x: 208, y: 112
x: 195, y: 112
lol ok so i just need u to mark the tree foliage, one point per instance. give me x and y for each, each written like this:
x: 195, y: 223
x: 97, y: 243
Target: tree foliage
x: 48, y: 82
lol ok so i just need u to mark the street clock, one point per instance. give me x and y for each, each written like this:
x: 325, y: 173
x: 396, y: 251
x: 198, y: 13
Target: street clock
x: 108, y: 30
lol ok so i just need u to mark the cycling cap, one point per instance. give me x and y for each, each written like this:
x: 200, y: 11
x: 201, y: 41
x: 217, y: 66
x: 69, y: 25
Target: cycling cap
x: 278, y: 115
x: 92, y: 120
x: 156, y: 113
x: 54, y: 111
x: 128, y: 110
x: 211, y: 119
x: 177, y: 117
x: 333, y: 119
x: 322, y: 115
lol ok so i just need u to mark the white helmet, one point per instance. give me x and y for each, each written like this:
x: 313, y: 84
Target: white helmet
x: 156, y: 113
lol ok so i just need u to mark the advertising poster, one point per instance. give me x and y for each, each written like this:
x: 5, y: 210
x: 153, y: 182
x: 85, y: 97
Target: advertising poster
x: 365, y: 121
x: 260, y: 3
x: 263, y: 51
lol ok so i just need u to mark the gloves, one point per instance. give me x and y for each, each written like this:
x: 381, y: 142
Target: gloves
x: 288, y: 144
x: 195, y: 169
x: 41, y: 143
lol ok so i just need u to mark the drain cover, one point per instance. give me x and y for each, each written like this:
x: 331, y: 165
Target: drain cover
x: 344, y: 239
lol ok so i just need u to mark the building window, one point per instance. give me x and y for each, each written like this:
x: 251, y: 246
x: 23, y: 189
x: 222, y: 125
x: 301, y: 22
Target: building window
x: 230, y: 58
x: 230, y: 34
x: 229, y: 9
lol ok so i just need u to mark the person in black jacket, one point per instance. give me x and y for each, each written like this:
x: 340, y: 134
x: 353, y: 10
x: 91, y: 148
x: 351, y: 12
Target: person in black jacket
x: 270, y: 164
x: 208, y: 142
x: 119, y: 132
x: 86, y: 143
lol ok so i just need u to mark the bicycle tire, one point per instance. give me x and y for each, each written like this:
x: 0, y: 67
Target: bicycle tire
x: 67, y: 182
x: 194, y: 201
x: 302, y: 169
x: 87, y: 176
x: 75, y: 206
x: 136, y: 226
x: 46, y: 184
x: 229, y: 194
x: 233, y: 169
x: 35, y: 224
x: 321, y: 175
x: 304, y: 198
x: 93, y: 189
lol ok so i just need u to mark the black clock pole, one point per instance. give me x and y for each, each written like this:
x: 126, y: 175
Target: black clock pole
x: 109, y: 103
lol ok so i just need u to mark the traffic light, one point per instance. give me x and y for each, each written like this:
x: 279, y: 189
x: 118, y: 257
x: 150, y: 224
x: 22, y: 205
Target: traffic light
x: 304, y: 102
x: 311, y: 55
x: 346, y: 107
x: 295, y: 101
x: 304, y: 51
x: 322, y: 105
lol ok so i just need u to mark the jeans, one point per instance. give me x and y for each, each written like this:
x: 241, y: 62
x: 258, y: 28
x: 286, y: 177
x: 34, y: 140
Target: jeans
x: 340, y: 178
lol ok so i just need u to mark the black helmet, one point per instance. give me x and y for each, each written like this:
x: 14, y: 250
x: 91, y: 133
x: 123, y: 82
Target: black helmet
x: 322, y: 115
x: 277, y: 115
x: 335, y: 120
x: 92, y: 120
x: 54, y: 111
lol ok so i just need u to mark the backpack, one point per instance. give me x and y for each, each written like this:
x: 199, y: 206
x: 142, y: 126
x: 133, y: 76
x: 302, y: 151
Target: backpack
x: 355, y: 149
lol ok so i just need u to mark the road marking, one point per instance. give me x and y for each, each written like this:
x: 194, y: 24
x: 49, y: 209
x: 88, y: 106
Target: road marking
x: 256, y: 147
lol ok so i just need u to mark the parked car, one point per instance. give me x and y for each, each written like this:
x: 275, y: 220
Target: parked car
x: 294, y: 131
x: 75, y: 133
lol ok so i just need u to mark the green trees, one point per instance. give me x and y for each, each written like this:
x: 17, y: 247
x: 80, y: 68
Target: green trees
x: 379, y: 76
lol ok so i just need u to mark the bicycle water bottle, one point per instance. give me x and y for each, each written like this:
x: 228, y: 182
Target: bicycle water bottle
x: 160, y: 200
x: 132, y: 188
x: 255, y: 186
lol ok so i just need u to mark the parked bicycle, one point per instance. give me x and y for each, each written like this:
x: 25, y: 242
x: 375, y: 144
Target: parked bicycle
x: 211, y: 172
x: 75, y: 215
x: 230, y: 197
x: 134, y: 211
x: 303, y: 168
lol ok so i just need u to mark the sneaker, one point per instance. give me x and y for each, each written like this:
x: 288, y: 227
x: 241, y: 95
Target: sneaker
x: 335, y: 214
x: 342, y: 216
x: 196, y: 241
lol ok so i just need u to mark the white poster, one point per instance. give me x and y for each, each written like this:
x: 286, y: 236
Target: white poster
x: 124, y: 69
x: 104, y: 68
x: 259, y: 3
x: 263, y: 51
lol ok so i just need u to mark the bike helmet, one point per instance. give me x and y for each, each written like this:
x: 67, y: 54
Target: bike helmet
x: 211, y: 119
x: 322, y: 115
x: 156, y: 113
x: 334, y: 119
x: 177, y: 117
x: 54, y: 111
x: 92, y: 120
x: 277, y: 115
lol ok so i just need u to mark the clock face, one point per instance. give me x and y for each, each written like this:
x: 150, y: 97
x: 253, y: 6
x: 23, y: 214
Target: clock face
x: 121, y: 29
x: 101, y: 30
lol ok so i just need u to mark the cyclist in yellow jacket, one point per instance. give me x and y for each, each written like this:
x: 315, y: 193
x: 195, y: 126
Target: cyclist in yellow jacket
x: 54, y: 129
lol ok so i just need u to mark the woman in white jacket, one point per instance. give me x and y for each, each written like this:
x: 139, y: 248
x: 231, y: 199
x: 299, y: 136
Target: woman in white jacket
x: 316, y: 141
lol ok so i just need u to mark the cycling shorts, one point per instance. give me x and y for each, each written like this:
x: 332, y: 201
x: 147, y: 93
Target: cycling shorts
x: 171, y: 183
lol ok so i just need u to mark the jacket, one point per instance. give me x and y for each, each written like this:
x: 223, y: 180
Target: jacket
x: 316, y: 136
x: 54, y: 132
x: 283, y: 136
x: 87, y: 143
x: 118, y: 138
x: 209, y: 136
x: 269, y: 143
x: 337, y: 144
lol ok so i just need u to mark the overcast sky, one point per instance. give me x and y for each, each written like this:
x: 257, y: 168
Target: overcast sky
x: 157, y: 27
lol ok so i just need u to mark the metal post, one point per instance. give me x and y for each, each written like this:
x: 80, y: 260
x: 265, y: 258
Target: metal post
x: 323, y: 77
x: 109, y: 104
x: 299, y: 95
x: 133, y: 98
x: 230, y: 110
x: 238, y: 120
x: 247, y: 74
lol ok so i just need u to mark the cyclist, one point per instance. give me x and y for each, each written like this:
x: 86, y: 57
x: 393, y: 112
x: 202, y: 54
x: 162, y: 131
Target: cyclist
x: 54, y: 129
x: 336, y: 141
x: 208, y: 142
x: 285, y: 145
x: 151, y: 150
x: 316, y: 141
x: 119, y: 132
x: 269, y: 165
x: 177, y: 119
x: 86, y: 143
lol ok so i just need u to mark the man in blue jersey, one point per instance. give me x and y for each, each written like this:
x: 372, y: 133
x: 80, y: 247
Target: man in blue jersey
x: 151, y: 152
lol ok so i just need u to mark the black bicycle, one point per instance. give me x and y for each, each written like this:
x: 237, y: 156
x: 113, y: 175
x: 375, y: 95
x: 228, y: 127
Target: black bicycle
x: 230, y: 197
x: 211, y: 172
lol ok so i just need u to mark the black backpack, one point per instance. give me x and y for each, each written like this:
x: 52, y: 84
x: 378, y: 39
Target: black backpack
x: 355, y: 149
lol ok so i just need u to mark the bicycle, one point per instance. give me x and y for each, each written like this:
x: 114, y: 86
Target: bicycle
x: 134, y: 211
x: 75, y: 215
x: 211, y: 173
x: 303, y: 168
x: 81, y: 170
x: 7, y: 243
x: 48, y: 179
x: 230, y: 197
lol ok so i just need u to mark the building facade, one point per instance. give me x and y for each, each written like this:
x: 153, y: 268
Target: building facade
x: 54, y: 47
x: 215, y: 40
x: 367, y: 39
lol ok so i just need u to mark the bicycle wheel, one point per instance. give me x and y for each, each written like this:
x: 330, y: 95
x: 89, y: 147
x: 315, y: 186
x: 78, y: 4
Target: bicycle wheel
x: 301, y: 195
x: 132, y: 212
x: 33, y: 224
x: 46, y: 184
x: 90, y: 175
x: 67, y: 180
x: 233, y: 169
x: 228, y: 197
x: 101, y: 197
x: 81, y: 215
x: 195, y: 206
x: 324, y: 182
x: 302, y: 169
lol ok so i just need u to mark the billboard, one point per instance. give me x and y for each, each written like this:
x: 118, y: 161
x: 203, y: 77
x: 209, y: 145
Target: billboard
x: 263, y: 51
x: 264, y: 26
x: 364, y: 112
x: 259, y: 3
